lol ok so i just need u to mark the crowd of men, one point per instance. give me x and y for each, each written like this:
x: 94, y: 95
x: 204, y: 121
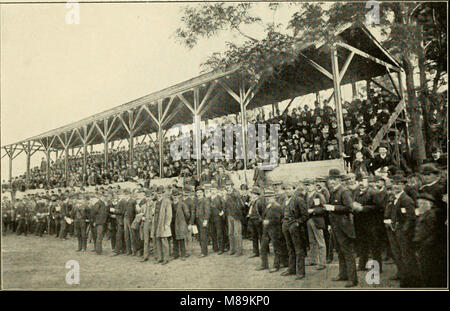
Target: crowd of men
x: 305, y: 134
x: 399, y: 217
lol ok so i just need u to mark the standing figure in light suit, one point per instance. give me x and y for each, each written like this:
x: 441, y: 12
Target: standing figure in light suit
x: 162, y: 218
x: 149, y: 209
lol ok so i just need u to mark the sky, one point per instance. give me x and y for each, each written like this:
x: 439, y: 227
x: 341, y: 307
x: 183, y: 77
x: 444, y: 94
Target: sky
x: 54, y: 73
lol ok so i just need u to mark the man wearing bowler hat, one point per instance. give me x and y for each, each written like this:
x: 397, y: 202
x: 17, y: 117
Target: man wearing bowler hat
x: 431, y: 227
x: 341, y: 220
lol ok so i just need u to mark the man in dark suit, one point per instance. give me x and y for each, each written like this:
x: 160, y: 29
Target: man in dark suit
x: 202, y: 214
x: 431, y: 227
x: 369, y: 227
x: 341, y: 219
x: 128, y: 218
x: 295, y: 216
x: 256, y: 210
x: 316, y: 224
x: 66, y: 209
x: 80, y: 213
x: 216, y: 220
x: 234, y: 209
x: 101, y: 216
x: 272, y: 231
x: 119, y: 211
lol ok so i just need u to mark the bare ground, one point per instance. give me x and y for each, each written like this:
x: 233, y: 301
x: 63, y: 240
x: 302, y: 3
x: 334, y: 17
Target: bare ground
x: 39, y: 263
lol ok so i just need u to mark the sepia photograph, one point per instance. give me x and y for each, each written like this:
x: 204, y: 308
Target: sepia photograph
x: 189, y: 145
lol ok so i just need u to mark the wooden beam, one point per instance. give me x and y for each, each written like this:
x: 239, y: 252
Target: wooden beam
x: 125, y: 125
x: 382, y: 86
x: 207, y: 95
x: 365, y: 55
x: 346, y: 64
x: 17, y: 154
x: 151, y: 114
x: 167, y: 108
x: 393, y: 84
x: 167, y: 92
x: 181, y: 97
x: 317, y: 66
x: 230, y: 91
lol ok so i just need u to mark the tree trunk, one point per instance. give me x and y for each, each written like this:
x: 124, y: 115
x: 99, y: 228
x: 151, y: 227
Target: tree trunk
x: 414, y: 109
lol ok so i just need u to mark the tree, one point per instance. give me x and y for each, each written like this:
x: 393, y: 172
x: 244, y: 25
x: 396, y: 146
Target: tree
x: 415, y: 32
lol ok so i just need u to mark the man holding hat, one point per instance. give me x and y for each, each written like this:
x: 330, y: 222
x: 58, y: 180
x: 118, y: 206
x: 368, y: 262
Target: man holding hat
x: 341, y: 219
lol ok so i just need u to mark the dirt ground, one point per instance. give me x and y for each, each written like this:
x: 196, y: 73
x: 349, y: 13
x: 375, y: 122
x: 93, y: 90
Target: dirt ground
x: 40, y: 263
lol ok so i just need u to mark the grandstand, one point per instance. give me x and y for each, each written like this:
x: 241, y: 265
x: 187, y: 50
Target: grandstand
x: 356, y: 56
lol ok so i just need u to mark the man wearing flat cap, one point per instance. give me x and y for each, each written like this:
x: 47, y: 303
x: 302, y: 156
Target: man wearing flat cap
x: 431, y: 227
x: 341, y: 220
x: 272, y: 231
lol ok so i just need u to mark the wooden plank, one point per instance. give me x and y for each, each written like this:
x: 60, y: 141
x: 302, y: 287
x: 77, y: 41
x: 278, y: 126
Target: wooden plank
x: 384, y: 130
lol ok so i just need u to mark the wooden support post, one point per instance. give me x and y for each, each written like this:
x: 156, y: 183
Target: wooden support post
x: 197, y: 143
x: 131, y: 139
x: 244, y: 126
x: 85, y: 155
x: 197, y: 121
x: 160, y: 141
x: 48, y: 166
x: 105, y: 141
x: 28, y: 161
x: 354, y: 91
x: 10, y: 154
x: 337, y: 97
